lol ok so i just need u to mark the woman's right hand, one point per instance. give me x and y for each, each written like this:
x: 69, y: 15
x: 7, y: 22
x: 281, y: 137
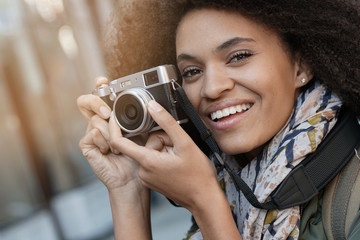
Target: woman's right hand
x: 129, y: 198
x: 112, y: 168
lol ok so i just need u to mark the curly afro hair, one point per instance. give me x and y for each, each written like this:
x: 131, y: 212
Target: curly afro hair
x: 141, y: 35
x: 326, y: 34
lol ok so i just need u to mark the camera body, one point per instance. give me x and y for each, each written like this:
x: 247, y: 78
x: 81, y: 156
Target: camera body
x: 128, y: 96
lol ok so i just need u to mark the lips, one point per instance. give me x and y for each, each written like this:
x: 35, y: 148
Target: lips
x: 225, y: 112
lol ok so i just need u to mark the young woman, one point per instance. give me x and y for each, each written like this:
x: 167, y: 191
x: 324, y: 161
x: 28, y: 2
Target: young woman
x: 264, y: 77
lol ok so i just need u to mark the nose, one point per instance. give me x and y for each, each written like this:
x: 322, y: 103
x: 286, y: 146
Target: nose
x: 216, y: 82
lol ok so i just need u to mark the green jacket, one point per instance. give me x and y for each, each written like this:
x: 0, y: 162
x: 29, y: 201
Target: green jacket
x: 311, y: 224
x: 335, y: 212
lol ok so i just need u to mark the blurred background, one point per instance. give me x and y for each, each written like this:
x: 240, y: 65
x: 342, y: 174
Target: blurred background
x: 50, y: 54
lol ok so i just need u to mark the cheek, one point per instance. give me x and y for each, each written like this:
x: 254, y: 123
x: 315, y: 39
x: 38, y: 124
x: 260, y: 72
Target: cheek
x: 193, y: 93
x: 276, y: 85
x: 276, y: 106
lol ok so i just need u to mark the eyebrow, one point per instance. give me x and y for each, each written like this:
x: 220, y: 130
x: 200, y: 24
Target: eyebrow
x: 184, y: 56
x: 233, y: 41
x: 227, y: 44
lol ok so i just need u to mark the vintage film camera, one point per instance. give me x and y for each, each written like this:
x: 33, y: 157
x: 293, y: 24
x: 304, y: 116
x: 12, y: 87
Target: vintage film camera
x: 128, y: 96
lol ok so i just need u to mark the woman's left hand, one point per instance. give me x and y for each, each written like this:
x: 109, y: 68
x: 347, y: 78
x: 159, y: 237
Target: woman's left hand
x: 170, y: 163
x: 173, y: 165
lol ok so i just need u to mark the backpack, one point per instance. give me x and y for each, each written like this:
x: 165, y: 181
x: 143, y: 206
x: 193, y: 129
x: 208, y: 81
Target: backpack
x: 341, y: 200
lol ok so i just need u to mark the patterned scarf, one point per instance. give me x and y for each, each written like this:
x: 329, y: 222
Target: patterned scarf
x: 315, y: 113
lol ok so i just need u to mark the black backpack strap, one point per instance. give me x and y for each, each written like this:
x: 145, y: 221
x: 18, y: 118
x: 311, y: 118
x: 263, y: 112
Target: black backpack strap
x: 190, y: 111
x: 318, y: 169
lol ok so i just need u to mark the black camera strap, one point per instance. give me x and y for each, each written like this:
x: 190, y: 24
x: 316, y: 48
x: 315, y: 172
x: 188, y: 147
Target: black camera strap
x: 191, y: 113
x: 305, y: 180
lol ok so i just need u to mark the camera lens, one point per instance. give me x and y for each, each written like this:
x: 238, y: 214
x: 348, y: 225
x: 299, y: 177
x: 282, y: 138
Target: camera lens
x: 130, y: 109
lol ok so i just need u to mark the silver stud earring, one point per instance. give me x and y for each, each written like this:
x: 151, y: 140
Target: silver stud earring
x: 303, y: 80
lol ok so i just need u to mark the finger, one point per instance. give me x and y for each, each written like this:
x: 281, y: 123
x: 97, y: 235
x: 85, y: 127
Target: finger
x: 125, y: 145
x: 158, y: 140
x: 100, y: 81
x: 167, y: 122
x: 90, y: 151
x: 140, y: 139
x: 89, y: 105
x: 102, y: 140
x: 101, y: 124
x: 94, y: 139
x: 99, y: 141
x: 87, y: 145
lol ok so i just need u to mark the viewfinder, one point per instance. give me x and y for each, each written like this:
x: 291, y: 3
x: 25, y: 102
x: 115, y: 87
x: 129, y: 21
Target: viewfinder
x: 151, y: 78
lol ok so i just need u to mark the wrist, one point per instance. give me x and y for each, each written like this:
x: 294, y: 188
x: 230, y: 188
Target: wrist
x: 207, y: 204
x: 132, y: 191
x: 130, y: 209
x: 214, y: 217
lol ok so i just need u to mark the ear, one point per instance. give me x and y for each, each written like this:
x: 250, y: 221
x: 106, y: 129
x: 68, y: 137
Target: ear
x: 303, y: 72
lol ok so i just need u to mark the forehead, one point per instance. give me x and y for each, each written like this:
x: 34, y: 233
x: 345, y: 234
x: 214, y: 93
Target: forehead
x: 214, y: 26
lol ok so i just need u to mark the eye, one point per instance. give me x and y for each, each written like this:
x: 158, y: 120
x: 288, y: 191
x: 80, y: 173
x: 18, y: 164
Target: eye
x: 239, y: 56
x: 190, y: 72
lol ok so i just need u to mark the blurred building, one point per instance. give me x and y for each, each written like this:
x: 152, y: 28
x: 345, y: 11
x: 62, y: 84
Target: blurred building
x: 50, y: 54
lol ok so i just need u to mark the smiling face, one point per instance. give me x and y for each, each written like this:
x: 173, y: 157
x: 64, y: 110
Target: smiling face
x: 239, y: 77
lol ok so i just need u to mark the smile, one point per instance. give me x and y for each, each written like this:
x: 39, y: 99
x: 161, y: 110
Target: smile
x: 219, y: 114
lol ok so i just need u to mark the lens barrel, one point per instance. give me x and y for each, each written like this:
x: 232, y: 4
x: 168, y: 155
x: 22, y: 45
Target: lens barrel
x: 130, y: 110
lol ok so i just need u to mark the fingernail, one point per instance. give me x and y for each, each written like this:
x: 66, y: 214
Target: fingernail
x: 101, y: 80
x: 117, y: 152
x: 105, y: 111
x: 154, y: 106
x: 104, y: 150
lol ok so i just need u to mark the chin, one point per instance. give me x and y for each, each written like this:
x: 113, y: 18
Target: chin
x: 235, y: 149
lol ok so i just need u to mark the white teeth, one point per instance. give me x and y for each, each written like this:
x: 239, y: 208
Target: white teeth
x: 213, y: 116
x: 226, y: 112
x: 230, y: 110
